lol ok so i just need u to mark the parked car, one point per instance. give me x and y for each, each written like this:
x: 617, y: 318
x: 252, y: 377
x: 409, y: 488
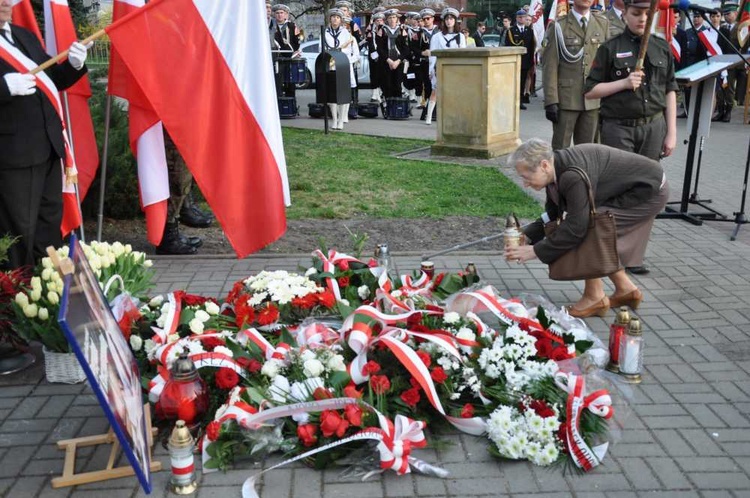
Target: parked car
x: 491, y: 40
x: 310, y: 51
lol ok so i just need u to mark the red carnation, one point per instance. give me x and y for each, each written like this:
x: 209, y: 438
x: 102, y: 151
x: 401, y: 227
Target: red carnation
x: 343, y: 281
x: 411, y: 397
x: 425, y: 357
x: 211, y: 342
x: 370, y: 368
x: 243, y: 312
x: 543, y: 348
x: 213, y: 430
x: 332, y: 423
x: 438, y: 375
x: 326, y: 299
x: 322, y: 393
x: 249, y: 364
x: 541, y: 408
x: 226, y: 378
x: 351, y: 391
x: 467, y: 411
x: 308, y: 434
x: 379, y: 384
x: 560, y: 354
x: 268, y: 314
x: 353, y: 414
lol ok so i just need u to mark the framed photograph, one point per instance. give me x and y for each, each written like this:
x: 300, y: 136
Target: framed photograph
x: 107, y: 360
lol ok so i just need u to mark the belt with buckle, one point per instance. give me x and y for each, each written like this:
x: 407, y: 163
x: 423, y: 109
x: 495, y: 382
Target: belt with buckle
x: 637, y: 121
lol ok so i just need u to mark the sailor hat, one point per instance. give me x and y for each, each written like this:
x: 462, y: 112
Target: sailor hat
x: 427, y: 13
x: 280, y: 6
x: 450, y: 11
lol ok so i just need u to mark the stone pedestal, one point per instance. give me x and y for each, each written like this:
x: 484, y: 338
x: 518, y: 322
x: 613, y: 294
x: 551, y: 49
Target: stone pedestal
x: 478, y: 101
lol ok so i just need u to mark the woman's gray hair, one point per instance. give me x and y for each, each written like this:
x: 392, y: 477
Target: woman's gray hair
x: 530, y: 154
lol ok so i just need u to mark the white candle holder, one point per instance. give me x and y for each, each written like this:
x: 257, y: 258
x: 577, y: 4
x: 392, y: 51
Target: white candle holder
x: 631, y: 352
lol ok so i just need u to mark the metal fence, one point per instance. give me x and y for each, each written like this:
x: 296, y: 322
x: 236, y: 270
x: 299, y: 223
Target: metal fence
x: 99, y: 54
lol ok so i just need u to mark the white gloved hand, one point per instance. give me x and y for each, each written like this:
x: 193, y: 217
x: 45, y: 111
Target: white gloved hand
x: 20, y: 84
x: 77, y: 54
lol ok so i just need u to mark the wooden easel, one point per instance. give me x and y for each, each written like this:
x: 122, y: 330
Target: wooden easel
x: 69, y: 476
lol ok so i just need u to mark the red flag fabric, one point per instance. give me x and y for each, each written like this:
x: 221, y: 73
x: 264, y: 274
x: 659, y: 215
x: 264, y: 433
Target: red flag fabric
x: 59, y: 35
x: 145, y: 133
x: 23, y: 15
x: 206, y: 69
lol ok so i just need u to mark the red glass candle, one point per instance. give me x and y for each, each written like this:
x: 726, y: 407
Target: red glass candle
x: 185, y: 396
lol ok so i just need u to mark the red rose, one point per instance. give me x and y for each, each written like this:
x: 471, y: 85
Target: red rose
x: 322, y: 393
x: 211, y: 342
x: 411, y: 397
x: 425, y: 357
x: 249, y: 364
x: 467, y: 411
x: 268, y: 314
x: 226, y: 378
x: 213, y: 430
x: 308, y: 434
x: 379, y: 384
x: 351, y: 391
x: 343, y: 281
x: 326, y: 299
x: 370, y: 368
x: 541, y: 408
x: 424, y: 329
x: 353, y: 414
x: 560, y: 354
x: 243, y: 312
x: 246, y: 407
x: 415, y: 383
x: 193, y: 300
x: 413, y: 321
x: 332, y: 423
x: 438, y: 375
x: 343, y: 265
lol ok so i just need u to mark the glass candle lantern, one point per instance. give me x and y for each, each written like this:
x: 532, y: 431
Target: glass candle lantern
x: 428, y: 268
x: 616, y: 331
x: 512, y: 233
x: 184, y: 395
x: 631, y: 352
x: 181, y: 445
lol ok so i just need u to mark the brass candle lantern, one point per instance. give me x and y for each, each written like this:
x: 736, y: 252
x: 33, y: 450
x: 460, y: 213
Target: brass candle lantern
x: 181, y: 445
x: 428, y: 268
x: 631, y: 352
x: 616, y: 331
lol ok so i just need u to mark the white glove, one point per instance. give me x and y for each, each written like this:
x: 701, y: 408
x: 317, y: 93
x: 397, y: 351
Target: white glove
x: 20, y: 84
x: 77, y: 54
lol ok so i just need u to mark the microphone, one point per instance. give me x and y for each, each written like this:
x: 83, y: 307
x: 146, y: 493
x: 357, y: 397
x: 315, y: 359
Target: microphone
x: 685, y: 5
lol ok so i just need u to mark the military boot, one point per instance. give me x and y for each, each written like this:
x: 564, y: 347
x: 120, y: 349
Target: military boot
x: 191, y: 215
x: 173, y: 243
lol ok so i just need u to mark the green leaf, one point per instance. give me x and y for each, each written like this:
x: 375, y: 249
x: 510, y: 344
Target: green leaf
x: 286, y: 337
x: 583, y: 346
x: 339, y: 379
x: 541, y: 317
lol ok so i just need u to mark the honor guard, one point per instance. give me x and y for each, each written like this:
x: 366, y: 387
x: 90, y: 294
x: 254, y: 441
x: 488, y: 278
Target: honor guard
x: 428, y: 31
x: 393, y: 48
x: 286, y: 42
x: 569, y: 47
x: 736, y: 75
x: 519, y: 35
x: 376, y: 63
x: 338, y: 38
x: 638, y: 108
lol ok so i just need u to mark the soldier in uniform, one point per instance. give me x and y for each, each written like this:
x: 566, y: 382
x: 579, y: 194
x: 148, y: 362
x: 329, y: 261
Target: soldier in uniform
x: 726, y: 94
x: 614, y: 16
x: 568, y: 49
x: 376, y: 64
x: 428, y: 31
x: 285, y: 39
x: 638, y: 108
x: 393, y: 48
x: 521, y: 36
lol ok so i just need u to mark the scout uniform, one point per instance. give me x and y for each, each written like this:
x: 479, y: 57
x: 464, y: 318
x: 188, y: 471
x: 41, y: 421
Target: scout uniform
x: 376, y: 64
x: 568, y: 51
x: 339, y: 39
x: 424, y: 67
x: 634, y: 120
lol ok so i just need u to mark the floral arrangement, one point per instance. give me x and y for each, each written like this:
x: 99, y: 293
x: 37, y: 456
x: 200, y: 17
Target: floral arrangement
x: 10, y: 283
x: 36, y: 305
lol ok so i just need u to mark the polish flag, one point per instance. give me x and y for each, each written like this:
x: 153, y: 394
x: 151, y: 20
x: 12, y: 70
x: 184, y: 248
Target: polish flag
x: 665, y: 28
x: 146, y: 135
x: 710, y: 40
x: 23, y: 15
x: 205, y: 68
x: 536, y: 11
x: 59, y: 35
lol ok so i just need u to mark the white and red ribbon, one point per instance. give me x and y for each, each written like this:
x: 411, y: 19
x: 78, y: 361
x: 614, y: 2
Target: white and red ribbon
x: 330, y: 263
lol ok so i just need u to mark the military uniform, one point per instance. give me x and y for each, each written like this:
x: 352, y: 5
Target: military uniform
x: 566, y: 63
x: 725, y: 95
x: 634, y: 120
x: 616, y: 24
x: 522, y: 37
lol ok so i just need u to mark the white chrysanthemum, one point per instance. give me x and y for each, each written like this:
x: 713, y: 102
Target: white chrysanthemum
x: 43, y: 314
x: 161, y: 320
x: 451, y: 317
x: 196, y: 326
x: 258, y: 298
x: 202, y: 316
x: 212, y: 308
x: 194, y: 347
x: 136, y: 343
x: 466, y: 334
x: 224, y: 350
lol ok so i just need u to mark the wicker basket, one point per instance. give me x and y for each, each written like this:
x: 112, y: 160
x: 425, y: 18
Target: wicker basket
x: 62, y: 368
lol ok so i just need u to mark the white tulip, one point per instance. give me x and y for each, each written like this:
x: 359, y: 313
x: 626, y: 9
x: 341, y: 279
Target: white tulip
x: 30, y: 310
x: 47, y: 262
x: 118, y: 249
x: 202, y: 316
x: 53, y: 297
x: 43, y: 314
x: 36, y: 283
x: 36, y: 295
x: 46, y: 274
x: 22, y: 299
x: 212, y: 308
x: 156, y: 301
x: 148, y: 263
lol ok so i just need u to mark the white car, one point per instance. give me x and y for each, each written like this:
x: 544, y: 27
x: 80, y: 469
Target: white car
x: 310, y: 51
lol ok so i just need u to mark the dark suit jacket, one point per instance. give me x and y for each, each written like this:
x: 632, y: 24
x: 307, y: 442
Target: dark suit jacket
x: 30, y: 129
x: 526, y: 39
x: 619, y: 179
x: 478, y: 39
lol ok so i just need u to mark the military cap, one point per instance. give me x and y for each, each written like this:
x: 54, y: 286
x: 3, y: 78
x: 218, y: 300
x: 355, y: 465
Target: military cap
x: 427, y: 13
x: 347, y: 19
x: 729, y: 7
x: 280, y: 6
x: 639, y: 4
x: 378, y: 15
x: 450, y: 11
x: 378, y: 9
x: 413, y: 15
x: 521, y: 13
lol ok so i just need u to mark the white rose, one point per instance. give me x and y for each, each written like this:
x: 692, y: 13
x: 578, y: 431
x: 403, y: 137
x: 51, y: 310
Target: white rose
x: 43, y: 314
x: 336, y: 363
x: 36, y: 294
x: 363, y: 292
x: 30, y: 310
x: 202, y: 316
x: 224, y: 350
x: 451, y: 317
x: 313, y: 368
x: 136, y: 343
x: 156, y: 301
x: 270, y: 369
x: 22, y: 299
x: 53, y: 297
x: 311, y: 271
x: 36, y: 283
x: 307, y: 354
x: 212, y: 308
x: 196, y: 326
x: 466, y: 334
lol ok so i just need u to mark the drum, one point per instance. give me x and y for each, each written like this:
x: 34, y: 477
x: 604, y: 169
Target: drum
x: 293, y: 70
x: 316, y: 110
x: 398, y: 108
x: 368, y: 110
x: 287, y: 107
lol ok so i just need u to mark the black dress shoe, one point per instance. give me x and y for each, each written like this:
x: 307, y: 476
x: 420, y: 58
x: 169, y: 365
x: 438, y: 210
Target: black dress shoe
x: 191, y: 215
x: 173, y: 243
x: 523, y: 107
x: 526, y: 99
x: 638, y: 270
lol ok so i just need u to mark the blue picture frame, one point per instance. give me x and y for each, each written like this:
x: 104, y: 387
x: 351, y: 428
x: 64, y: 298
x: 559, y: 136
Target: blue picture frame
x: 106, y: 358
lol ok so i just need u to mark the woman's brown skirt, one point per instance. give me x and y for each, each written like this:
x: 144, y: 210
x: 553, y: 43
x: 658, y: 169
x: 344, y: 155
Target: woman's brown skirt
x: 634, y: 226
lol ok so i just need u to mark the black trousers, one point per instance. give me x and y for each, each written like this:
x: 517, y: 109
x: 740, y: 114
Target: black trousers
x: 424, y: 79
x: 391, y: 84
x: 31, y: 208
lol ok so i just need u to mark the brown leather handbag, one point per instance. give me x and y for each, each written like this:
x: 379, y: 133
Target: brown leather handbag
x: 596, y: 256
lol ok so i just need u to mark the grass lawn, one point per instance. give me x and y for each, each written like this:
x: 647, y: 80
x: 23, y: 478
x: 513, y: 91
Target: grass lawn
x: 343, y: 176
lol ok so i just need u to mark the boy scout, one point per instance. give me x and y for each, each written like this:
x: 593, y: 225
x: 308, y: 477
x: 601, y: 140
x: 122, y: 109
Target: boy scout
x: 568, y: 50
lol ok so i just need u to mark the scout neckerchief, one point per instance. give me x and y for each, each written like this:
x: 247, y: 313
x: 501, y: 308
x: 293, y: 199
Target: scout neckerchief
x: 392, y: 34
x: 283, y: 30
x: 335, y: 35
x: 455, y: 38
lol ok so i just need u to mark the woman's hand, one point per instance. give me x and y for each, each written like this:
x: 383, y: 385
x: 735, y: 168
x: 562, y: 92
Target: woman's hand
x: 670, y: 142
x: 520, y: 254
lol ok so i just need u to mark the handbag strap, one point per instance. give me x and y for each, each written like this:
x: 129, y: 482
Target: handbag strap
x: 592, y: 206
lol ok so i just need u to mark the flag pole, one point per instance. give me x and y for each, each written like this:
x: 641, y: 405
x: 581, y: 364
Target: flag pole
x: 64, y: 54
x: 69, y: 130
x: 103, y: 176
x: 654, y: 5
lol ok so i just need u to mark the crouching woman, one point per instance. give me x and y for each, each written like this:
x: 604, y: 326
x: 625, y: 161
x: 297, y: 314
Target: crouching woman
x: 630, y: 186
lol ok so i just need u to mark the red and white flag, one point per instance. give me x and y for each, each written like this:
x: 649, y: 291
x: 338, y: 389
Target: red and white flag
x: 536, y: 11
x: 23, y: 15
x: 710, y: 40
x: 204, y: 67
x: 59, y: 35
x: 146, y: 135
x: 665, y: 28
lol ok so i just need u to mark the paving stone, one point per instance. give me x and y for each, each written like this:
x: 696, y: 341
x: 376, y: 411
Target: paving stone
x: 639, y: 474
x: 721, y: 480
